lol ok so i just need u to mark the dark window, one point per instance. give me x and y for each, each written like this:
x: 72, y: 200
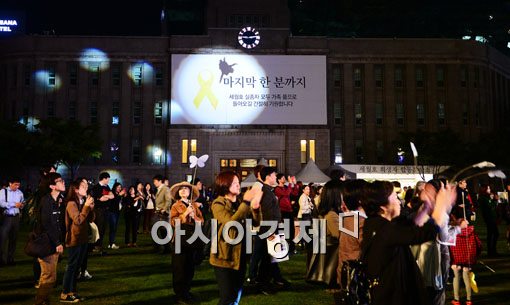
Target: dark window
x: 116, y: 74
x: 379, y: 76
x: 137, y: 112
x: 73, y: 74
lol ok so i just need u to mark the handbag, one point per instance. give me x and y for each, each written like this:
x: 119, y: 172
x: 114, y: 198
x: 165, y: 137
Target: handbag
x: 39, y: 245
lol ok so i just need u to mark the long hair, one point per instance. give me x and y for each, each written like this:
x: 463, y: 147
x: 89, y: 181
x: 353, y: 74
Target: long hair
x: 354, y: 193
x: 223, y: 182
x: 377, y: 194
x: 331, y: 197
x: 72, y: 193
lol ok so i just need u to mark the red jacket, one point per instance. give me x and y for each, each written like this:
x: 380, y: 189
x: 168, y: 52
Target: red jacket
x: 283, y: 193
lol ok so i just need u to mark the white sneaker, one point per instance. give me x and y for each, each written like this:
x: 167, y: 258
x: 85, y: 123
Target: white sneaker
x: 114, y: 247
x: 86, y: 275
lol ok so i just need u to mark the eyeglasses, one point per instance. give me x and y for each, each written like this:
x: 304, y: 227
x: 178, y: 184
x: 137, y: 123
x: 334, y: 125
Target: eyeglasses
x: 60, y: 180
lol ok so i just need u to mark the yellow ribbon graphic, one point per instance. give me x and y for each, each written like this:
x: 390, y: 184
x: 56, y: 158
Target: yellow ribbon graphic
x: 205, y: 90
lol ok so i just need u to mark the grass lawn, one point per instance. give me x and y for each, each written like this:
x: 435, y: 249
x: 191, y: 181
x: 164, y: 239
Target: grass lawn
x: 137, y: 276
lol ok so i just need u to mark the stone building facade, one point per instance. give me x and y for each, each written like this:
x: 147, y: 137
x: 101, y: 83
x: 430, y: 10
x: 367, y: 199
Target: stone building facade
x: 376, y: 89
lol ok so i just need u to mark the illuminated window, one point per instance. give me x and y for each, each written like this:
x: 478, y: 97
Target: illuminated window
x: 379, y: 76
x: 358, y: 117
x: 223, y: 163
x: 93, y: 112
x: 338, y: 151
x: 73, y: 74
x: 420, y: 114
x: 158, y: 113
x: 312, y: 149
x: 137, y: 75
x: 115, y: 112
x: 272, y: 162
x: 51, y: 76
x: 184, y: 151
x: 157, y: 155
x: 114, y: 149
x: 232, y: 163
x: 116, y: 74
x: 194, y: 147
x: 137, y: 112
x: 303, y: 151
x: 94, y: 73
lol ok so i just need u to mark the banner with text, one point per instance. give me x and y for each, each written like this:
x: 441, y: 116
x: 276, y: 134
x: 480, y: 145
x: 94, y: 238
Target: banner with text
x: 245, y: 89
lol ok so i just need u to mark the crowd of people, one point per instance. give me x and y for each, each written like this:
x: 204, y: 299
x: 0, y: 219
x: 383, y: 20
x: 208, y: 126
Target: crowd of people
x: 408, y: 239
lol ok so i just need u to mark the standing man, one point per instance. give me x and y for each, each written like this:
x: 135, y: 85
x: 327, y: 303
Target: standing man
x: 463, y: 202
x: 270, y: 212
x: 162, y: 210
x: 284, y: 192
x: 49, y: 220
x: 11, y: 199
x: 102, y: 195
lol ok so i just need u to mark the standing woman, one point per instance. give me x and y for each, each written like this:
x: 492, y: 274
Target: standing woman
x: 78, y: 215
x: 305, y: 204
x: 132, y: 204
x: 488, y: 208
x: 322, y: 267
x: 114, y: 213
x: 140, y: 192
x: 188, y: 214
x: 230, y: 260
x: 386, y: 241
x: 148, y: 212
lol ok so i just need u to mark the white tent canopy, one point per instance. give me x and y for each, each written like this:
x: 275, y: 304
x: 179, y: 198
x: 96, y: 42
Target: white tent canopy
x: 249, y: 180
x: 312, y: 174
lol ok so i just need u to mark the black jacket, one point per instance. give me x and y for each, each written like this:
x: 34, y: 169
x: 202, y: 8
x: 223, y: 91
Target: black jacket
x: 269, y: 207
x: 388, y: 258
x: 52, y: 218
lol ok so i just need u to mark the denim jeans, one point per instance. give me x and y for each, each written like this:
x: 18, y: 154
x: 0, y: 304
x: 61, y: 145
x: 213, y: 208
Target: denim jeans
x: 113, y: 221
x: 75, y: 258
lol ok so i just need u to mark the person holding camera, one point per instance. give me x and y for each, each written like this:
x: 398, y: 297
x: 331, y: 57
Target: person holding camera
x: 78, y: 215
x: 49, y: 222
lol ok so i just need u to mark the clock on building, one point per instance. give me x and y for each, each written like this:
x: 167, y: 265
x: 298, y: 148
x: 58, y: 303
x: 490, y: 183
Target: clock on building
x: 248, y: 37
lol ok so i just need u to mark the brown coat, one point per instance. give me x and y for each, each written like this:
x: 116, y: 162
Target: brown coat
x: 77, y: 224
x: 177, y: 212
x: 229, y: 256
x: 350, y: 247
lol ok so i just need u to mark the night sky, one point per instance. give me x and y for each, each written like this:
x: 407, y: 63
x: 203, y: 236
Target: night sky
x: 90, y: 17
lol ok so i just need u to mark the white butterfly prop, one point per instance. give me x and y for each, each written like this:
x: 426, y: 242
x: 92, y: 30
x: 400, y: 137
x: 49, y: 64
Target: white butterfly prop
x: 194, y: 161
